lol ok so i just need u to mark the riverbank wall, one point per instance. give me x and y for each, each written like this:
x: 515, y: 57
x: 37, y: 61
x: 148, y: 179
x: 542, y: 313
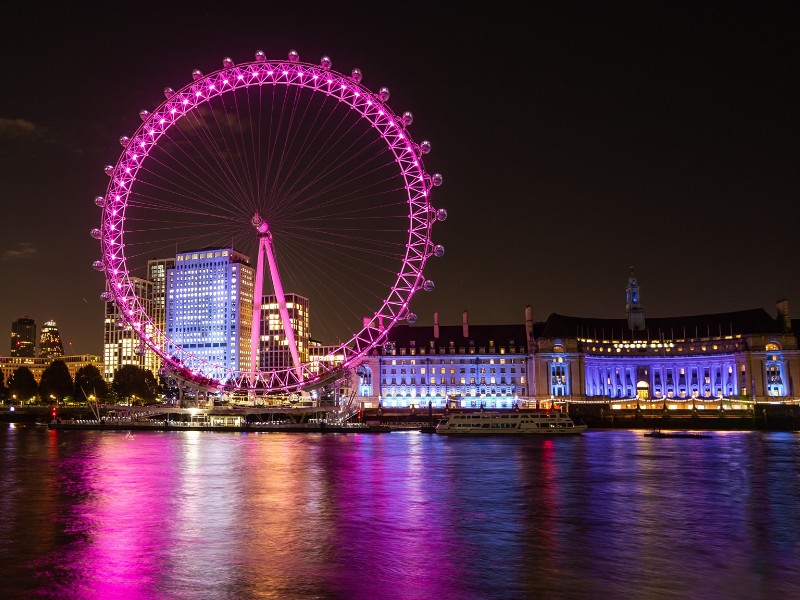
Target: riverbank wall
x: 762, y: 417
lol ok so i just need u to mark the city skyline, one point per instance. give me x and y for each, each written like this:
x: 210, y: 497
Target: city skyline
x: 573, y: 144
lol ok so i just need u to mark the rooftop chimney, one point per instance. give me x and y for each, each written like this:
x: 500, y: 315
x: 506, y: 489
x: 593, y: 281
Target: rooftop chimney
x: 436, y: 325
x: 465, y: 324
x: 783, y: 314
x: 529, y: 326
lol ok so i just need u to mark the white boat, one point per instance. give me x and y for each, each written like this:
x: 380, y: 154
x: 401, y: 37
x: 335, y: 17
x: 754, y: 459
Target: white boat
x: 510, y: 423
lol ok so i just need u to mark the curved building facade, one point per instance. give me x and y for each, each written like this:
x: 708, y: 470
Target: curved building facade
x: 50, y: 345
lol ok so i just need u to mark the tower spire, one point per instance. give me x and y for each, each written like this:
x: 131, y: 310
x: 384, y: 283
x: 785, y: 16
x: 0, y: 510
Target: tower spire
x: 633, y: 305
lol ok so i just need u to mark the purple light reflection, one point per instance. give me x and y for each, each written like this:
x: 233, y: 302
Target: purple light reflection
x: 406, y: 516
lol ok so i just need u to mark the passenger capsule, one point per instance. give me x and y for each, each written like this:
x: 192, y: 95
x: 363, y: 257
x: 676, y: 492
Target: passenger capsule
x: 293, y: 56
x: 411, y: 318
x: 408, y: 118
x: 260, y: 56
x: 356, y: 74
x: 100, y: 201
x: 438, y: 251
x: 383, y: 94
x: 197, y: 74
x: 441, y: 214
x: 388, y: 348
x: 227, y: 62
x: 96, y: 234
x: 143, y: 114
x: 325, y: 62
x: 109, y: 170
x: 168, y: 92
x: 124, y: 140
x: 107, y: 296
x: 425, y: 146
x: 98, y: 265
x: 428, y: 285
x: 437, y: 179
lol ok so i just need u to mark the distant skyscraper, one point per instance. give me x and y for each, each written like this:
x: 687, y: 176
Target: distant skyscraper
x: 50, y: 341
x: 23, y: 337
x: 121, y: 345
x: 209, y: 308
x: 274, y: 350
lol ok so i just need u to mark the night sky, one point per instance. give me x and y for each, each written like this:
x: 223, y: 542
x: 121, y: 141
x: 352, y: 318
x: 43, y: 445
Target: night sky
x: 575, y: 141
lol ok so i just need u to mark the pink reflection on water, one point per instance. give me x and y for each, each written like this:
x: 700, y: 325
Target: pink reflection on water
x: 205, y: 515
x: 404, y: 547
x: 126, y: 518
x: 402, y: 516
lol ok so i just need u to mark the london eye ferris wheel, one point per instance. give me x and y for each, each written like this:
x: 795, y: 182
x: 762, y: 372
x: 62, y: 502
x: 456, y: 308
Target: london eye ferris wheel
x: 306, y: 174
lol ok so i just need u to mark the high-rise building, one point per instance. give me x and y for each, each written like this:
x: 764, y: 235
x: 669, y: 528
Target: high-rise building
x: 50, y: 345
x: 274, y: 352
x: 23, y: 337
x: 209, y: 310
x: 121, y: 345
x: 157, y: 275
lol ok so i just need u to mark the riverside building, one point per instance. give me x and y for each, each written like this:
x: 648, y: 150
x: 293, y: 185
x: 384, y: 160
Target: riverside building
x: 273, y: 345
x: 121, y: 344
x: 469, y: 366
x: 157, y: 269
x: 731, y: 359
x: 209, y: 309
x: 37, y: 365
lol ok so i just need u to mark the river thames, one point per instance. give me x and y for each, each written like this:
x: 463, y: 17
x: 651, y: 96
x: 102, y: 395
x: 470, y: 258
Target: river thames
x: 400, y: 515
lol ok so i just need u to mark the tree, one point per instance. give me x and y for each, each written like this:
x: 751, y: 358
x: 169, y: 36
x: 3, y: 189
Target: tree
x: 22, y: 384
x: 56, y: 382
x: 3, y: 389
x: 89, y: 382
x: 134, y: 382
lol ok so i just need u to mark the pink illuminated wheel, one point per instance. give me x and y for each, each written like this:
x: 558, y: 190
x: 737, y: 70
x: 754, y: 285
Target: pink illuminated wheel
x: 303, y: 171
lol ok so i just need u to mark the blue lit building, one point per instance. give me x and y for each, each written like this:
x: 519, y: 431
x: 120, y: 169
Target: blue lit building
x: 734, y: 358
x: 209, y: 309
x: 469, y: 366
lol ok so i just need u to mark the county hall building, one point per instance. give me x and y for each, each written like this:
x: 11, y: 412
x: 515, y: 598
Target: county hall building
x: 730, y: 359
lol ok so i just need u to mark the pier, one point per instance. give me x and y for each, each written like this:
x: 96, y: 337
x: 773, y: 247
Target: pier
x: 761, y: 417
